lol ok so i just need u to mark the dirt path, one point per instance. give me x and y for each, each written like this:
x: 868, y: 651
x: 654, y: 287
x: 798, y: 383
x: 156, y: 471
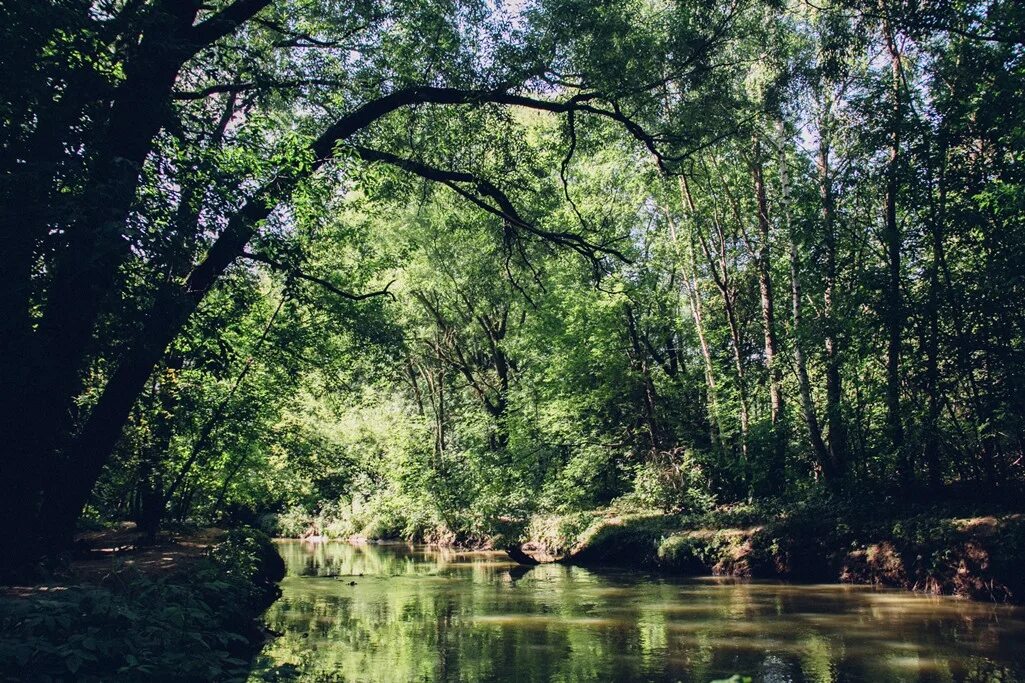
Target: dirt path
x: 99, y: 554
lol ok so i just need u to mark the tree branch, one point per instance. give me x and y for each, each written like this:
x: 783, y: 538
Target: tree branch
x: 227, y: 20
x: 295, y: 272
x: 490, y: 198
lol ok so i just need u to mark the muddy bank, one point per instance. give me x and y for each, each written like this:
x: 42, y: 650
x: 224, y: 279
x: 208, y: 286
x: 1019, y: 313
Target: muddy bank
x: 977, y: 557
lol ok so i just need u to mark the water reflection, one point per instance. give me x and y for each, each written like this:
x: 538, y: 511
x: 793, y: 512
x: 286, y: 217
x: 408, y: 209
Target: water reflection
x: 391, y: 613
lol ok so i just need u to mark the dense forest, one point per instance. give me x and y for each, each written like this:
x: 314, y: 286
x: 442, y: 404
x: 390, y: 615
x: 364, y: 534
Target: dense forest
x: 426, y: 268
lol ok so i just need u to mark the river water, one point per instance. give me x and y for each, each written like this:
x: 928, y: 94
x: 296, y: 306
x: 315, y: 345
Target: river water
x: 393, y: 613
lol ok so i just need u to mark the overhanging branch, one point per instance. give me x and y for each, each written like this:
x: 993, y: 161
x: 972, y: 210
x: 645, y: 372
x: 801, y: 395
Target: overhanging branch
x: 296, y: 273
x: 487, y: 196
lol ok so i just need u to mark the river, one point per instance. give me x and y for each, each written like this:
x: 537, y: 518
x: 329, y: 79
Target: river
x: 382, y: 613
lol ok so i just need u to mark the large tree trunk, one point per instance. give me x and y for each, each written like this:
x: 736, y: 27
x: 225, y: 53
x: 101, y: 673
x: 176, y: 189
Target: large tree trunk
x: 837, y: 429
x: 894, y: 304
x: 51, y: 359
x: 96, y: 244
x: 55, y: 355
x: 818, y: 446
x: 763, y: 258
x: 68, y: 489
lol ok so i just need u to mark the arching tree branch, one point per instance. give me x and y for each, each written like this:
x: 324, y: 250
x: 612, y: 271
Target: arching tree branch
x: 296, y: 273
x: 490, y: 198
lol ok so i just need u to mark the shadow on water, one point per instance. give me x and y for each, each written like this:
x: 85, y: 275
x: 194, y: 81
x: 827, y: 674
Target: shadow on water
x: 393, y: 613
x: 519, y: 571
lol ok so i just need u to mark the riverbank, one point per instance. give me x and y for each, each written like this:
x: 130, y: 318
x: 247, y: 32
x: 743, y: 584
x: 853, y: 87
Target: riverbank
x: 980, y: 557
x: 965, y: 550
x: 183, y: 609
x: 394, y: 613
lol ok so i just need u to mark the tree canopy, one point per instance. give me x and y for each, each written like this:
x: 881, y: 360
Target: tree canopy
x: 438, y: 266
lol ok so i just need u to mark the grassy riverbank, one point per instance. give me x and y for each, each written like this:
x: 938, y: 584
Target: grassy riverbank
x: 930, y: 549
x: 960, y: 550
x: 183, y: 610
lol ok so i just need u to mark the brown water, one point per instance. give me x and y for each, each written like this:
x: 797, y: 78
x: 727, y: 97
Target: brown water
x: 430, y: 615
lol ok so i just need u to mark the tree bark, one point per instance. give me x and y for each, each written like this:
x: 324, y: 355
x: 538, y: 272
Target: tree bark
x: 815, y: 441
x: 86, y: 271
x: 763, y: 258
x: 693, y: 292
x: 894, y: 304
x: 719, y: 267
x: 837, y: 430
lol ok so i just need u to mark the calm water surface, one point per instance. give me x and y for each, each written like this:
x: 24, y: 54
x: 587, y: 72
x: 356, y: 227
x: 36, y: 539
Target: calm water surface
x: 427, y: 615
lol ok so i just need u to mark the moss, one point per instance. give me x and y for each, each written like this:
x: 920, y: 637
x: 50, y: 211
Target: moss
x: 723, y: 552
x: 682, y: 553
x: 619, y: 539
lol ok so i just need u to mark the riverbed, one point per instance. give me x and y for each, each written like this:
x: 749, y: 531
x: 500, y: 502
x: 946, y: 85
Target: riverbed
x: 387, y: 613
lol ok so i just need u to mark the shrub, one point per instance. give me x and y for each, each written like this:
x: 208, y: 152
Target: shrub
x: 672, y: 481
x: 189, y: 626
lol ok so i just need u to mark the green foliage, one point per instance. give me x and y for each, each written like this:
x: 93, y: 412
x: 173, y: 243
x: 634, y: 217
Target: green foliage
x: 721, y: 551
x: 672, y: 482
x: 384, y: 516
x: 433, y: 270
x: 247, y: 558
x: 190, y: 626
x: 629, y: 538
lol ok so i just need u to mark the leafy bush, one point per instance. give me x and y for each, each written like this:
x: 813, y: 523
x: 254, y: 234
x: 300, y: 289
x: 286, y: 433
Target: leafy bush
x: 557, y: 534
x: 248, y: 559
x: 382, y: 516
x: 672, y: 481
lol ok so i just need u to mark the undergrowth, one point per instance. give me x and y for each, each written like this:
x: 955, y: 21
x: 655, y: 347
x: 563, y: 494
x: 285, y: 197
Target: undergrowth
x: 194, y: 625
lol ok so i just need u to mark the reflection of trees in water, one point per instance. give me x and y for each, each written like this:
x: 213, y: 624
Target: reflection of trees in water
x: 419, y: 615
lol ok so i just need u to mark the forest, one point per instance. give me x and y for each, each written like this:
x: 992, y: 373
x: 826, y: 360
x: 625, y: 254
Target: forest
x: 450, y: 271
